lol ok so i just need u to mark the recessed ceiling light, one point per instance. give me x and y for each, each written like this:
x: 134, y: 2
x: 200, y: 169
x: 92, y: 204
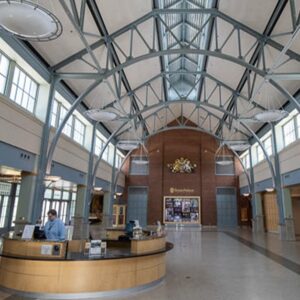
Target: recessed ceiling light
x: 98, y: 189
x: 52, y: 178
x: 28, y: 20
x: 269, y: 190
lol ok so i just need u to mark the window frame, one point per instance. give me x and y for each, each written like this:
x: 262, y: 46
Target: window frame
x: 8, y: 73
x: 13, y: 68
x: 51, y: 202
x: 292, y: 120
x: 269, y: 137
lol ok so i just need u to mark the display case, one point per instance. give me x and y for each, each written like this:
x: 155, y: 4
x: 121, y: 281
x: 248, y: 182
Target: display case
x: 180, y: 209
x: 119, y: 215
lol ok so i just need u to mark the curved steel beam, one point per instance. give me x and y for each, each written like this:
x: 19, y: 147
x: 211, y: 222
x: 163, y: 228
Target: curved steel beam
x: 245, y: 171
x: 273, y: 174
x: 217, y: 54
x: 198, y: 129
x: 162, y: 105
x: 60, y: 128
x: 204, y: 74
x: 103, y: 149
x: 120, y: 169
x: 156, y: 53
x: 155, y: 13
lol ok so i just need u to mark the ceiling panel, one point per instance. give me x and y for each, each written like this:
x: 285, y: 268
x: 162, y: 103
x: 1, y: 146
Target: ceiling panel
x: 117, y: 14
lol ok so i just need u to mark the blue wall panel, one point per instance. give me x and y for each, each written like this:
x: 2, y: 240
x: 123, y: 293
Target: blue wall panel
x: 13, y: 157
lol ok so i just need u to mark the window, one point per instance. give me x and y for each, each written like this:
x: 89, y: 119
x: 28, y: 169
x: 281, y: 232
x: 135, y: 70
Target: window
x: 225, y: 165
x: 4, y: 65
x: 74, y: 128
x: 119, y: 160
x: 23, y: 90
x: 268, y: 145
x: 246, y: 161
x: 14, y: 215
x: 98, y: 145
x: 106, y: 153
x: 61, y: 201
x: 73, y: 203
x: 298, y: 125
x: 111, y: 152
x: 259, y: 153
x: 68, y: 126
x: 5, y: 190
x: 54, y: 113
x: 289, y: 134
x: 79, y: 130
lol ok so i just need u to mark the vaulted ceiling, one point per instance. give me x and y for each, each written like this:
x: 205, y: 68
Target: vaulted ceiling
x: 207, y: 61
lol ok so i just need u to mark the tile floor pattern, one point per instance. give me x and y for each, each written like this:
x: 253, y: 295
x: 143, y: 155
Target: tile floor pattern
x: 217, y: 266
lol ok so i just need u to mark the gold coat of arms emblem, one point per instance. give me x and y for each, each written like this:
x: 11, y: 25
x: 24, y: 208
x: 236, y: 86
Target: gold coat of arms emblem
x: 182, y: 165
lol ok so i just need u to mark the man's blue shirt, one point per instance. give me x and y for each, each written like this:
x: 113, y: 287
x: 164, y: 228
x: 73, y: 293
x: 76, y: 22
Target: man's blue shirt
x: 55, y: 230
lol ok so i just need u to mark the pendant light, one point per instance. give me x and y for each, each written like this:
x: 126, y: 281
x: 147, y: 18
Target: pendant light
x: 271, y: 114
x: 221, y: 157
x: 128, y: 145
x: 29, y: 21
x: 100, y: 115
x: 141, y: 160
x: 237, y: 145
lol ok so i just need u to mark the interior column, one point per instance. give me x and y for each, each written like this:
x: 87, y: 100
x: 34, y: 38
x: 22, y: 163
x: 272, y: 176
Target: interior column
x: 258, y: 218
x: 26, y: 201
x: 288, y: 215
x: 80, y: 221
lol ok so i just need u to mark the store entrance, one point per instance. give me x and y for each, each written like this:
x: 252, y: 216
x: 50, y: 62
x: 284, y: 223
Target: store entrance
x: 138, y: 204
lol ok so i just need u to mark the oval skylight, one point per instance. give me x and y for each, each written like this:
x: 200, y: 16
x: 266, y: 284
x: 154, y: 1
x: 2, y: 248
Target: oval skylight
x: 29, y: 21
x: 128, y: 145
x: 100, y: 115
x: 271, y: 115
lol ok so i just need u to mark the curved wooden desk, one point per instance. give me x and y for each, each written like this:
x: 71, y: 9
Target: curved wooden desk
x: 77, y: 275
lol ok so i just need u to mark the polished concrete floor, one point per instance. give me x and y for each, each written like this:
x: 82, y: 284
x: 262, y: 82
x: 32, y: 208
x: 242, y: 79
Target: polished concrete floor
x: 225, y: 266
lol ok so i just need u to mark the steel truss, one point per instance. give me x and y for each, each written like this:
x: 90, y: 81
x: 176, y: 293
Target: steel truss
x: 138, y: 47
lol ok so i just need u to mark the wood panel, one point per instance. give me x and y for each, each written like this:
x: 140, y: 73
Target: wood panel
x: 270, y: 212
x: 80, y: 276
x: 296, y: 214
x: 148, y: 245
x: 31, y: 248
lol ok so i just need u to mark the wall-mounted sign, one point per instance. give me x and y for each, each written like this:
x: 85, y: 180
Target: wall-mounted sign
x: 181, y: 209
x: 182, y: 165
x: 175, y: 190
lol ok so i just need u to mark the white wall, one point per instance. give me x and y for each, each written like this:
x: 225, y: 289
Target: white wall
x: 21, y: 129
x: 289, y: 158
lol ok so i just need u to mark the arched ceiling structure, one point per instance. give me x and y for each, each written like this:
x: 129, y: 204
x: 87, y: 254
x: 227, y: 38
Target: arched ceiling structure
x: 208, y: 62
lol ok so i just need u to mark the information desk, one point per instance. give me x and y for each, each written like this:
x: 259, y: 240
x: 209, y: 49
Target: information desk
x: 126, y: 267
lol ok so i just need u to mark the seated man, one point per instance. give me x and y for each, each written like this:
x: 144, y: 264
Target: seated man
x: 54, y: 228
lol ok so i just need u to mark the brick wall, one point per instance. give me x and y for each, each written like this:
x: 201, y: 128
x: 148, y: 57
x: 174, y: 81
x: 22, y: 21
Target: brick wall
x: 164, y: 148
